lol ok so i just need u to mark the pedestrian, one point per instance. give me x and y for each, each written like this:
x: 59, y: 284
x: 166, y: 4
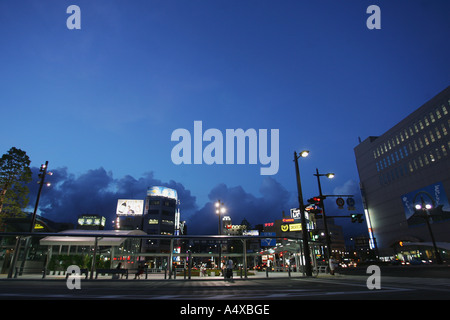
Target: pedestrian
x: 140, y: 271
x: 332, y: 264
x: 229, y: 271
x: 119, y: 266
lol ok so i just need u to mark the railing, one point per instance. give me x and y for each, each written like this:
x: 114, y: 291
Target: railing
x: 22, y: 254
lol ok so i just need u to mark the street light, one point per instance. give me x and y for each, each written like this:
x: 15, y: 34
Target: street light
x: 220, y: 209
x: 424, y: 207
x: 324, y: 218
x: 42, y: 174
x: 308, y: 270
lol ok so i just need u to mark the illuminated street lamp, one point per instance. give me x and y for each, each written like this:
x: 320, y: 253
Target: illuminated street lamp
x: 324, y: 218
x: 306, y: 251
x: 220, y: 209
x: 424, y: 207
x: 42, y: 174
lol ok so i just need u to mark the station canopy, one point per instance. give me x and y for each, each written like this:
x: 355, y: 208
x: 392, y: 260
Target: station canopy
x: 107, y: 238
x: 441, y: 245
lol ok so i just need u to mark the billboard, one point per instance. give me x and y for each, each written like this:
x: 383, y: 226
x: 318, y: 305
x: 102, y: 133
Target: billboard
x: 162, y: 192
x: 128, y: 207
x: 91, y: 220
x: 433, y: 195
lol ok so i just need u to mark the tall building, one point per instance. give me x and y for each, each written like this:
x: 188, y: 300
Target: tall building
x: 161, y: 217
x: 157, y: 215
x: 405, y: 182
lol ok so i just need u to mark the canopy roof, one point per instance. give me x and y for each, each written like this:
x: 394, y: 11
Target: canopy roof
x: 442, y: 245
x: 86, y: 238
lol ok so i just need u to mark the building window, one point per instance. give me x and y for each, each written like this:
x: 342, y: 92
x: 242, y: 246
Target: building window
x: 432, y: 136
x: 426, y: 139
x: 444, y: 151
x: 420, y: 143
x: 438, y: 134
x: 425, y: 159
x: 420, y: 161
x: 438, y: 154
x: 444, y: 129
x: 444, y: 109
x: 432, y: 117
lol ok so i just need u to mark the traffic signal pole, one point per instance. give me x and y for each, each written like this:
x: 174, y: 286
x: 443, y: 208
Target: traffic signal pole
x: 324, y: 218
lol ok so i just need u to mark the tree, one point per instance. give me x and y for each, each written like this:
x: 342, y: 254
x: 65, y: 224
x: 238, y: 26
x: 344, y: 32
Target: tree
x: 15, y: 173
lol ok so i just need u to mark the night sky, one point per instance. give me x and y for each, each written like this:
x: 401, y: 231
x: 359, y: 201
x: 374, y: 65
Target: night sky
x: 100, y: 103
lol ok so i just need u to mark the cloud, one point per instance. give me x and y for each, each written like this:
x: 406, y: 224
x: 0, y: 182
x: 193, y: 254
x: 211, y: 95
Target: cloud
x: 96, y: 192
x: 241, y: 205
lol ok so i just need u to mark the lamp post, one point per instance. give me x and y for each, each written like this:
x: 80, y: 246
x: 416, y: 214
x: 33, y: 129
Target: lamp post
x: 424, y: 207
x: 324, y: 218
x: 220, y: 209
x: 306, y: 251
x: 42, y: 174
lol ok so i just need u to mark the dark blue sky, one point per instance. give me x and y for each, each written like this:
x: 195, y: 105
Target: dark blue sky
x: 103, y: 101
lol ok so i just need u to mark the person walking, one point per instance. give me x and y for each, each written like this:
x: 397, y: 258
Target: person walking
x: 332, y: 264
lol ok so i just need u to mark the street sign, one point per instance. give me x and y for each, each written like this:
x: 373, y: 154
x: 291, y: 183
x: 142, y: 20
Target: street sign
x: 351, y: 203
x: 269, y: 242
x: 340, y: 203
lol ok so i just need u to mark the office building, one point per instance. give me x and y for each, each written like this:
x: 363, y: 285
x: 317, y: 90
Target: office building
x: 405, y: 182
x: 161, y: 217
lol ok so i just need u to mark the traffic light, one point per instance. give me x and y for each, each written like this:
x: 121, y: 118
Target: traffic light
x: 317, y: 201
x: 315, y: 205
x: 357, y: 217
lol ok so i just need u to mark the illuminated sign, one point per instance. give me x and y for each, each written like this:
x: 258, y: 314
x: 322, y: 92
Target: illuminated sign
x: 38, y: 226
x: 162, y: 192
x: 91, y: 220
x: 291, y: 227
x: 295, y: 227
x: 434, y: 196
x: 126, y: 207
x: 295, y: 213
x: 250, y: 233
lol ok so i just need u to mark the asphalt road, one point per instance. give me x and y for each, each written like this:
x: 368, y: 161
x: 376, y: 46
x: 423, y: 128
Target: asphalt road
x: 395, y: 283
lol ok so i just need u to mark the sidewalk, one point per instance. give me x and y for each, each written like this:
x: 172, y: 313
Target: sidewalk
x: 163, y: 276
